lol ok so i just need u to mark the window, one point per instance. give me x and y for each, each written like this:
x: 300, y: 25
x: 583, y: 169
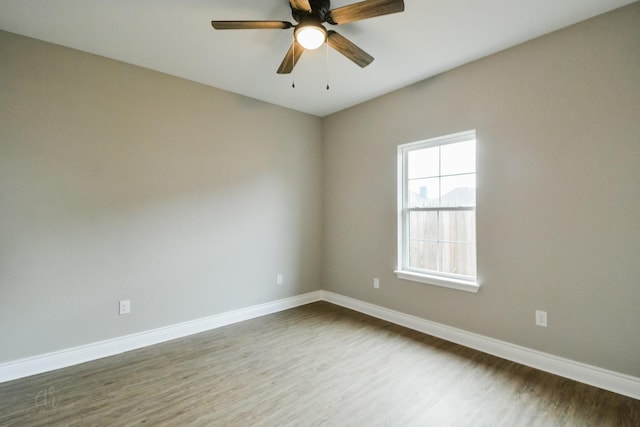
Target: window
x: 437, y: 211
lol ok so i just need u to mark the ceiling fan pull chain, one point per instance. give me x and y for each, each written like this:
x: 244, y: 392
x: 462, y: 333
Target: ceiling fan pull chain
x: 327, y: 44
x: 293, y: 63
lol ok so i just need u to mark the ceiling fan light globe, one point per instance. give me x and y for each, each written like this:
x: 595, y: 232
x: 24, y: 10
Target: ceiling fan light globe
x: 310, y: 37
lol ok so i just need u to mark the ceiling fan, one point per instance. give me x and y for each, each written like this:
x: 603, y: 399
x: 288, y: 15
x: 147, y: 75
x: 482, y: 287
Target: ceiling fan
x: 310, y: 34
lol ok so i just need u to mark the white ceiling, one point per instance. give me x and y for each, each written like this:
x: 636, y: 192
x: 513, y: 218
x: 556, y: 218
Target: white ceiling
x: 175, y: 37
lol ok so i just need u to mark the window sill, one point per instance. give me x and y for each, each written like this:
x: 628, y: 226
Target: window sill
x: 446, y: 282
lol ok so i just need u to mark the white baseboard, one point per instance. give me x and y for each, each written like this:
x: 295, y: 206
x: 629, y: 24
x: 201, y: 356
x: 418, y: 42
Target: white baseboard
x: 598, y: 377
x: 61, y: 359
x: 609, y: 380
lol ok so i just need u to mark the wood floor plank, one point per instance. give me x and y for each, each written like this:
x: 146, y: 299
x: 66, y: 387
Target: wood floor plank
x: 316, y: 365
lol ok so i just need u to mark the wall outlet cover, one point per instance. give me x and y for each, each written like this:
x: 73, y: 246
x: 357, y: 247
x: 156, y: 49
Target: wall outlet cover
x: 541, y: 318
x: 124, y: 307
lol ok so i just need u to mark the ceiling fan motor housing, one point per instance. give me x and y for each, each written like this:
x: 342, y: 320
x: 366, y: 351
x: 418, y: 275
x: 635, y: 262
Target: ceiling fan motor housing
x: 319, y: 9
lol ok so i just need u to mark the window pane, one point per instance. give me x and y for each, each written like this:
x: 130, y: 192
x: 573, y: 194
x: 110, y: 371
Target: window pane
x: 424, y: 192
x: 457, y: 226
x: 424, y: 163
x: 458, y: 158
x: 423, y: 255
x: 458, y: 258
x: 423, y: 225
x: 459, y: 190
x: 438, y: 225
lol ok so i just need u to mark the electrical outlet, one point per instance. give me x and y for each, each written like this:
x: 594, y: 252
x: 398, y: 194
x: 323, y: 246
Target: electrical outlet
x: 279, y: 279
x: 376, y: 283
x: 541, y: 318
x: 125, y: 306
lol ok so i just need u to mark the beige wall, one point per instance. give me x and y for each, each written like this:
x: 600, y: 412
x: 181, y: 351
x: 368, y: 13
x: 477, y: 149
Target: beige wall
x: 119, y: 182
x: 558, y: 126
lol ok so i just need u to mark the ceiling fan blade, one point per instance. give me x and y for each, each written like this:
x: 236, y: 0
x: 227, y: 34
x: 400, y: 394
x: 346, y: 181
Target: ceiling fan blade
x: 349, y: 49
x: 251, y: 25
x: 365, y: 9
x: 291, y: 58
x: 300, y: 5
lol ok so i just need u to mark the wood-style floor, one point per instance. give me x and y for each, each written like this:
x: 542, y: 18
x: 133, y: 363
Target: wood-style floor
x: 316, y: 365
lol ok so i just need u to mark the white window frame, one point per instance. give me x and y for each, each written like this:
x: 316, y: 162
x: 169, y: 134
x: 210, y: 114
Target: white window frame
x: 403, y: 271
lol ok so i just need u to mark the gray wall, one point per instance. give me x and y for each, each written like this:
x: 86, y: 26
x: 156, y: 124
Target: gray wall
x: 119, y: 182
x: 558, y: 126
